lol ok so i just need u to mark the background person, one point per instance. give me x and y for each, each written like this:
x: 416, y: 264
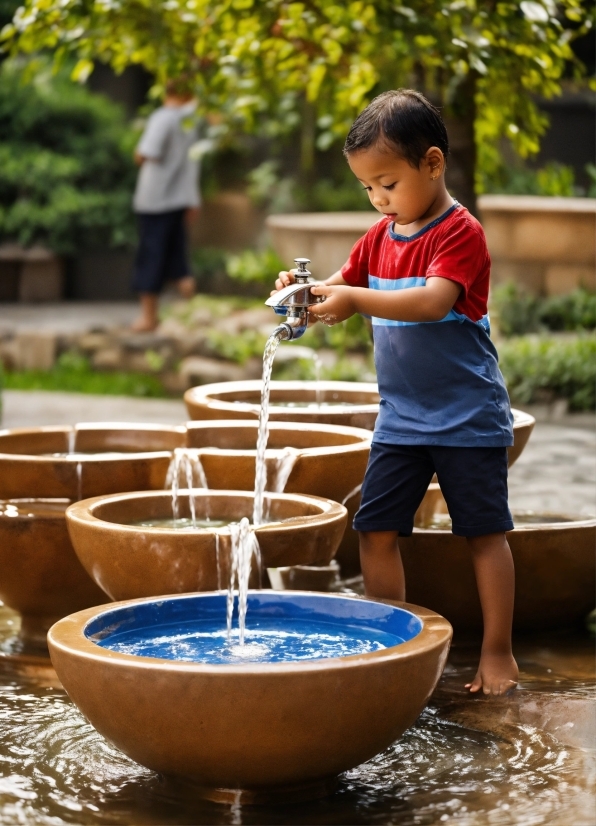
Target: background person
x: 166, y: 196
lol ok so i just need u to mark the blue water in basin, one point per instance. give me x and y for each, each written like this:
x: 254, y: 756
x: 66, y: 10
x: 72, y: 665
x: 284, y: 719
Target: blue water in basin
x: 280, y: 628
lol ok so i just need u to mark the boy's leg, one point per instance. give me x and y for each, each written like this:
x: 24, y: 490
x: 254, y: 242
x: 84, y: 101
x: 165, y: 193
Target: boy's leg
x: 474, y: 484
x: 177, y: 260
x: 149, y: 318
x: 396, y: 480
x: 382, y: 567
x: 493, y: 565
x: 148, y: 273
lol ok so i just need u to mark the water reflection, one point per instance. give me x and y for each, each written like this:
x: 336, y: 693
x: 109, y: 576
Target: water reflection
x: 464, y: 762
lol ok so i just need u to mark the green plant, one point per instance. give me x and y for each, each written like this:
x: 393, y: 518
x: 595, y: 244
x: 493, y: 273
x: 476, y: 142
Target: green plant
x: 209, y: 262
x: 538, y: 369
x: 591, y: 170
x: 574, y: 311
x: 66, y: 171
x: 516, y: 309
x: 277, y: 66
x: 255, y: 266
x: 552, y: 179
x: 73, y: 373
x: 239, y: 347
x: 519, y: 311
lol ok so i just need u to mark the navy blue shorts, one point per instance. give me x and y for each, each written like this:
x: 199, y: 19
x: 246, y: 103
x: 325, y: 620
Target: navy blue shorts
x: 161, y: 254
x: 473, y: 481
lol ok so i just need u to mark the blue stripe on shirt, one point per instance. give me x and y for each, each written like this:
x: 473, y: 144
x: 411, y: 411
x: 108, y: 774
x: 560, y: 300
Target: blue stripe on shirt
x: 375, y: 283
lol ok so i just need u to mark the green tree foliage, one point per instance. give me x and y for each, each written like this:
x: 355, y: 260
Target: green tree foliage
x: 270, y: 65
x: 66, y: 173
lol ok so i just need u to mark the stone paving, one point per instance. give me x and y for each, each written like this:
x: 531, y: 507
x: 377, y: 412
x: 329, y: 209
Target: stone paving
x: 556, y: 472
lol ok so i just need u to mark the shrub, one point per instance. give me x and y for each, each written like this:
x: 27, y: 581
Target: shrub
x: 256, y: 267
x: 552, y: 179
x: 519, y: 312
x: 66, y: 170
x: 539, y: 369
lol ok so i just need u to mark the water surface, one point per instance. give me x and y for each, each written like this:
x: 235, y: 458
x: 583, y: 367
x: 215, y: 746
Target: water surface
x: 265, y: 641
x: 465, y: 762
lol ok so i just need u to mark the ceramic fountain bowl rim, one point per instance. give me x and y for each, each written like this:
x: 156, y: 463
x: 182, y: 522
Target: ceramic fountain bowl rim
x: 69, y: 635
x: 83, y: 510
x: 521, y: 418
x: 202, y: 395
x: 92, y: 457
x: 364, y: 437
x: 571, y: 520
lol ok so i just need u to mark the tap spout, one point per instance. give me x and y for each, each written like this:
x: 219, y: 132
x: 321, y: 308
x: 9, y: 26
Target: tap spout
x: 287, y: 331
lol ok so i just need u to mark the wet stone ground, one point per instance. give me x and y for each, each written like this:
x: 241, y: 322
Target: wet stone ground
x: 523, y: 760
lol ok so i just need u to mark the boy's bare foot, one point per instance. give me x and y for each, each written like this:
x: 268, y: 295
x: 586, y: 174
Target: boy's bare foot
x: 497, y: 674
x: 144, y: 325
x: 186, y: 286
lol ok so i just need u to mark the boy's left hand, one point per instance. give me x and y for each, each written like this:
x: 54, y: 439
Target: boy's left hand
x: 338, y: 304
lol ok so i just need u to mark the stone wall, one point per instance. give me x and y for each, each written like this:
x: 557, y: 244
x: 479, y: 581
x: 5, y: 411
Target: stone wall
x: 546, y: 244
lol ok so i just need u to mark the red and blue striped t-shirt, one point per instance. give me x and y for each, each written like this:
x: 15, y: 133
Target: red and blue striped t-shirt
x: 439, y: 382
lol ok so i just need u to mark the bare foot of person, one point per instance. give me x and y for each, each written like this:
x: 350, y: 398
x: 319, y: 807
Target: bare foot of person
x: 497, y: 674
x: 144, y: 325
x: 186, y: 286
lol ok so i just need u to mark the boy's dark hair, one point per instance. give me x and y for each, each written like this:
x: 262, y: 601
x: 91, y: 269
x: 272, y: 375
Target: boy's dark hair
x: 404, y: 120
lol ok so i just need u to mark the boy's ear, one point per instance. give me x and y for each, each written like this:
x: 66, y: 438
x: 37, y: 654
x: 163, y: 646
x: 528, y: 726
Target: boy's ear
x: 434, y: 161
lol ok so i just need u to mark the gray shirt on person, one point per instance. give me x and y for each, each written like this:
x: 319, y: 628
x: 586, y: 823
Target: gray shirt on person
x: 168, y: 178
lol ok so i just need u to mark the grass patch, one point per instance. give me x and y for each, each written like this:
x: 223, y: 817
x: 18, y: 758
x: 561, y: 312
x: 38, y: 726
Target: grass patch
x: 74, y: 374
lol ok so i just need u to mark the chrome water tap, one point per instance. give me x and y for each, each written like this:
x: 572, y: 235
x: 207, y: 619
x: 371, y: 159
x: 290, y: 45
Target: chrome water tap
x: 293, y: 302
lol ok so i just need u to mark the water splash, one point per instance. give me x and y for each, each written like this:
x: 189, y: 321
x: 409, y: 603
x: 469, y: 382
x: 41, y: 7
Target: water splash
x: 282, y: 468
x: 263, y: 433
x: 186, y: 464
x: 79, y: 481
x: 243, y: 546
x: 72, y: 439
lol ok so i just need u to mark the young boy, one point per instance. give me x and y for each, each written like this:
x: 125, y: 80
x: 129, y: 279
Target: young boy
x: 422, y: 273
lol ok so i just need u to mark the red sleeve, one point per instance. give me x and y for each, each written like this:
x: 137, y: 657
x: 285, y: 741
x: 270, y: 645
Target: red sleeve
x: 355, y: 271
x: 462, y: 256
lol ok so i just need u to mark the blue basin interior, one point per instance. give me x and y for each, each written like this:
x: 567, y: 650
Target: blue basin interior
x: 280, y: 627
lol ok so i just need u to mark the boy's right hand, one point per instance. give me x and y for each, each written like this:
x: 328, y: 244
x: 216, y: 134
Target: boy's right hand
x: 284, y: 279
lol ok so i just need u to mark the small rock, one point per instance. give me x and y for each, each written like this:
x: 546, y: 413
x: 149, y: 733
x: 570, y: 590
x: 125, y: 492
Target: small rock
x: 199, y: 370
x: 35, y: 351
x: 94, y: 341
x: 109, y: 358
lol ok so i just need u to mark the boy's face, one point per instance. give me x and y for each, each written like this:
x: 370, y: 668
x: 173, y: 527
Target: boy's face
x: 395, y: 188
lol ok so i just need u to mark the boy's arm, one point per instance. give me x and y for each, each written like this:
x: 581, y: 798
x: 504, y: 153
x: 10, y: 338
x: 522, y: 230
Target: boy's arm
x: 429, y: 303
x: 286, y: 278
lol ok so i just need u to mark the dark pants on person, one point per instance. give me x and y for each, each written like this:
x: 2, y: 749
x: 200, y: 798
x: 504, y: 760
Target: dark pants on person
x: 161, y: 254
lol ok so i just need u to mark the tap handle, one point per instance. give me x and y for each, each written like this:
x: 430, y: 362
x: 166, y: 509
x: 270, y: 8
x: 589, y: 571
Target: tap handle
x: 301, y: 274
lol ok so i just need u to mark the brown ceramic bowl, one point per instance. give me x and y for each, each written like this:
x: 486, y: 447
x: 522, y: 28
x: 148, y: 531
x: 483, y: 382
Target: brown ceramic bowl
x: 130, y: 561
x: 355, y: 404
x: 330, y: 461
x: 40, y: 574
x: 554, y: 572
x: 250, y: 726
x: 136, y: 457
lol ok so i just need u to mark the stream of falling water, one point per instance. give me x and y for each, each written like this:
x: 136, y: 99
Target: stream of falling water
x: 186, y: 462
x: 263, y: 433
